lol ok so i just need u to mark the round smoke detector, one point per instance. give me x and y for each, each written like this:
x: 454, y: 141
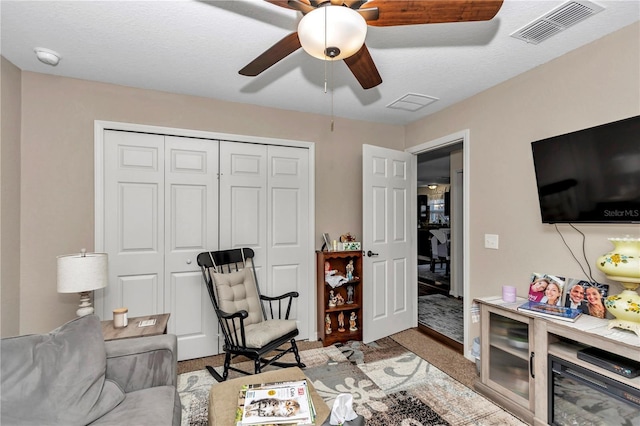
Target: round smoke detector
x: 47, y: 56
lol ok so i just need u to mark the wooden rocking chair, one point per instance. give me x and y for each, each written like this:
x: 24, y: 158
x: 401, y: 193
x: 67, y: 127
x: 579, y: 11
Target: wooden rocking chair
x: 232, y: 284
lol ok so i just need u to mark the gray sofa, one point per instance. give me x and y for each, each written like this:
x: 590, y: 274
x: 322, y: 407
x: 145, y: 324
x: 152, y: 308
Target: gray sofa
x: 72, y: 377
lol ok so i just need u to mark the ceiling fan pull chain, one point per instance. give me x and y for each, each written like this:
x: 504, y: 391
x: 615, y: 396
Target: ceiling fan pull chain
x: 332, y: 90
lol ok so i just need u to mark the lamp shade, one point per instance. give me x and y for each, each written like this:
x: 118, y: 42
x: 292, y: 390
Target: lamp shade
x: 345, y: 29
x: 82, y: 272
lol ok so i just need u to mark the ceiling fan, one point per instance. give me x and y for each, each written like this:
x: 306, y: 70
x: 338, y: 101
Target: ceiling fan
x: 336, y: 29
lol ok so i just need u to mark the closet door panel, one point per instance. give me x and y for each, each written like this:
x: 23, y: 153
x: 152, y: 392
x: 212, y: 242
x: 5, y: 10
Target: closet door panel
x: 243, y: 201
x: 191, y: 211
x: 134, y: 222
x: 288, y: 222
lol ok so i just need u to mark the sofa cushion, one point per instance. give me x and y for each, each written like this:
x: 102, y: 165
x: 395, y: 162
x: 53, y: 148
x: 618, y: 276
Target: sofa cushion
x: 57, y: 378
x: 152, y: 406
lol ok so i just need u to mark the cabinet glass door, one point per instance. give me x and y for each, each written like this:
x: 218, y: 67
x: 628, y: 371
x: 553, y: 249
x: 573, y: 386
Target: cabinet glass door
x: 509, y: 354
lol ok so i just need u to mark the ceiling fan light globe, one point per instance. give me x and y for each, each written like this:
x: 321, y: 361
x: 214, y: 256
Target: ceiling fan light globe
x: 346, y: 31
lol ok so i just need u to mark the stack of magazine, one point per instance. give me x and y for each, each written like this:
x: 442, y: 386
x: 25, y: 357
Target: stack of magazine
x: 278, y: 403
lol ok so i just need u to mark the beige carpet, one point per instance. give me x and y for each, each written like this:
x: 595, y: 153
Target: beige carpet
x: 438, y: 355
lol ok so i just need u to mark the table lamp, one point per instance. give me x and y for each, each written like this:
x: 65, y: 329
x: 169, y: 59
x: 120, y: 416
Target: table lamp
x: 82, y: 273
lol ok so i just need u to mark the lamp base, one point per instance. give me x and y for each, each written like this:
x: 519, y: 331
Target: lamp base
x: 627, y: 325
x: 85, y: 307
x: 626, y: 308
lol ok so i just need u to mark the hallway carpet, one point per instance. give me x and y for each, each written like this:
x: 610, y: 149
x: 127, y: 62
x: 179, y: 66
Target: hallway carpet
x: 442, y: 314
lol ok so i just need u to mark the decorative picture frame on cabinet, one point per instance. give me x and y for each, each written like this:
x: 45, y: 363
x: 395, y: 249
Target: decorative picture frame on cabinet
x: 326, y: 246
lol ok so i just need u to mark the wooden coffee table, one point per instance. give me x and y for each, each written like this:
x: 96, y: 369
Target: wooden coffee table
x: 109, y: 332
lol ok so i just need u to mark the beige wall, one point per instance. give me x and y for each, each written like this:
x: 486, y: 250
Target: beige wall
x: 9, y: 198
x: 58, y: 173
x: 592, y: 85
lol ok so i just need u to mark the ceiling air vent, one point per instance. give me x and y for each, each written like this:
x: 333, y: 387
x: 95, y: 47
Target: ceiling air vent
x: 412, y: 102
x: 559, y: 19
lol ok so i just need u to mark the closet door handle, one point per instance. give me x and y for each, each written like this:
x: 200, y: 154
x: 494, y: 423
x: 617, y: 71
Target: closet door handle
x: 533, y: 375
x: 370, y: 253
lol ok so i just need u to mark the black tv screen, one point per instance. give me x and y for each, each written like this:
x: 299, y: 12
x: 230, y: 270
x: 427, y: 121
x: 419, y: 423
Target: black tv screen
x: 590, y: 176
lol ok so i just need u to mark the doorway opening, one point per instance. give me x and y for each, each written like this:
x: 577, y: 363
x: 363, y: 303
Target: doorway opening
x: 440, y: 236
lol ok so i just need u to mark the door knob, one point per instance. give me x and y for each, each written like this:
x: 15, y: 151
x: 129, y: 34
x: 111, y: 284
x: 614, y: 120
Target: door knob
x: 370, y: 253
x: 188, y: 261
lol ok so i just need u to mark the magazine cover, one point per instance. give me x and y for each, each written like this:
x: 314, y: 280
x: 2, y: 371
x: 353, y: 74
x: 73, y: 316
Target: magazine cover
x: 545, y: 288
x: 280, y: 404
x: 587, y: 296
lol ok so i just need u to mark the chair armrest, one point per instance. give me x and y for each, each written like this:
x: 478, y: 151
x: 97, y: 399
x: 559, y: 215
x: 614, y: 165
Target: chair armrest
x: 284, y: 296
x: 232, y: 324
x: 143, y: 362
x: 290, y: 296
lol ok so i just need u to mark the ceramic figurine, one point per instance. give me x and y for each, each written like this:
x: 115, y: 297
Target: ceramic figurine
x: 349, y: 294
x: 352, y: 322
x: 332, y: 299
x: 341, y: 322
x: 350, y: 270
x: 339, y: 300
x: 327, y: 320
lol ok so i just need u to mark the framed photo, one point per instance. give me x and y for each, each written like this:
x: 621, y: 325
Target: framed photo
x: 326, y: 242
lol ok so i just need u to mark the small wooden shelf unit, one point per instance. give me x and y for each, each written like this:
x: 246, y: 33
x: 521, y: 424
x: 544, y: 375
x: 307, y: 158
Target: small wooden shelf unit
x: 338, y: 261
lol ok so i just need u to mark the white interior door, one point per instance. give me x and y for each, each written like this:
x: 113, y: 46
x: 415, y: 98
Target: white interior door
x: 191, y: 227
x: 389, y: 269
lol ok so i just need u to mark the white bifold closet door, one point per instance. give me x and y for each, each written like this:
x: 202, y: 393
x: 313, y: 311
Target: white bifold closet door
x: 264, y: 204
x: 162, y: 195
x: 161, y: 210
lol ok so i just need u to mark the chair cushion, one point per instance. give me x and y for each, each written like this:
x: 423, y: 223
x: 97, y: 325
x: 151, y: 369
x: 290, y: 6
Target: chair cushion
x: 237, y: 291
x: 57, y: 378
x: 264, y: 332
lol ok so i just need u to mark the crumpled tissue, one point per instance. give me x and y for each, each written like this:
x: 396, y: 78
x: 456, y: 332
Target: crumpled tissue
x: 342, y: 410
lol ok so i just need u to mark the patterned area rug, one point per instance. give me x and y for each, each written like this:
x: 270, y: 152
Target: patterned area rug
x: 389, y: 385
x: 443, y: 314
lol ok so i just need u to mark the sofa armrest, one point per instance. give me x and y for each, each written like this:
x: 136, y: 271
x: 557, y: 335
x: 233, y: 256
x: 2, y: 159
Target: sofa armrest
x: 143, y: 362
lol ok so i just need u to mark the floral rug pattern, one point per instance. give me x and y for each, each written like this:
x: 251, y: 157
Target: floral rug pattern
x: 389, y: 385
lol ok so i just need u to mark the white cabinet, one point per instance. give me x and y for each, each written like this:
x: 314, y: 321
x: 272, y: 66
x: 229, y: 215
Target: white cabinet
x: 166, y: 198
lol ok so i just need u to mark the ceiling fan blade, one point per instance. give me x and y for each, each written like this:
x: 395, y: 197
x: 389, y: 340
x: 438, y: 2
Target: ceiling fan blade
x: 362, y: 66
x: 354, y: 4
x: 303, y: 6
x: 275, y: 53
x: 394, y: 12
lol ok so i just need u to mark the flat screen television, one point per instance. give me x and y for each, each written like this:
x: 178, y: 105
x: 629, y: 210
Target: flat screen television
x: 591, y: 175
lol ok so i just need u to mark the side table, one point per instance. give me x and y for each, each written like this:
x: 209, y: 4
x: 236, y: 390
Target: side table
x: 133, y: 330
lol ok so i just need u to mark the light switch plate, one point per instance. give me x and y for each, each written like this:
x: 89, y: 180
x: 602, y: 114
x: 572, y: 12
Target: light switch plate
x: 491, y: 241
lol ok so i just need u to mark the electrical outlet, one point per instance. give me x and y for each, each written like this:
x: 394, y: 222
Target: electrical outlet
x: 491, y: 241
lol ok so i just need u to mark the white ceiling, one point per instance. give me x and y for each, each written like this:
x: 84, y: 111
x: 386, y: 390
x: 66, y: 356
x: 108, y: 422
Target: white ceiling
x: 196, y: 48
